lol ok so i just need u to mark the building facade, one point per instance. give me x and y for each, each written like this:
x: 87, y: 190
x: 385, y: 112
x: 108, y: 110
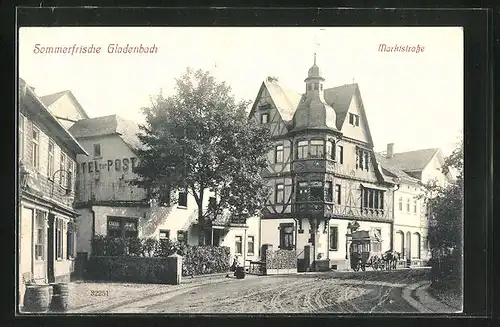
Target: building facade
x: 47, y: 154
x: 65, y: 107
x: 323, y: 171
x: 110, y: 205
x: 413, y: 169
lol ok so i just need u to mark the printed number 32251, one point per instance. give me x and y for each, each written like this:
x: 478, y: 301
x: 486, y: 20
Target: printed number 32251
x: 99, y: 293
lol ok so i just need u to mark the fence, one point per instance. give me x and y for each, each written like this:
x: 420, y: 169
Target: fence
x: 98, y: 191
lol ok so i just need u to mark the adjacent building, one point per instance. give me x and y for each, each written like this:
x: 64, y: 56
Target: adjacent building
x: 109, y: 205
x: 47, y: 154
x: 323, y: 172
x: 65, y: 107
x: 413, y: 169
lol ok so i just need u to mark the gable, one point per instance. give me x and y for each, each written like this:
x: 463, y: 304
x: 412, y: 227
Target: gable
x: 351, y: 130
x: 65, y: 107
x: 265, y: 104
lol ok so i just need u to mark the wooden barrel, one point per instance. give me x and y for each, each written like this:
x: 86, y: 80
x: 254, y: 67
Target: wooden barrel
x: 240, y: 272
x: 60, y: 298
x: 36, y: 298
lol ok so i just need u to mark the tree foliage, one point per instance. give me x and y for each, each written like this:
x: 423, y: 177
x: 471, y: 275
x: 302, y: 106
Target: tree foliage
x: 445, y: 213
x: 200, y: 139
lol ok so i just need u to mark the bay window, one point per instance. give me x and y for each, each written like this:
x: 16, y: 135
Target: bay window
x: 317, y: 149
x: 316, y: 191
x: 302, y: 149
x: 302, y: 191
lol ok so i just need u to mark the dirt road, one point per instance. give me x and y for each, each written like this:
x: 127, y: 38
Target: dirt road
x: 332, y: 292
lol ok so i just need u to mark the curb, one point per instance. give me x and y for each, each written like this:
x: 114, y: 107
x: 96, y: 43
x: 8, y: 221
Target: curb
x: 426, y: 303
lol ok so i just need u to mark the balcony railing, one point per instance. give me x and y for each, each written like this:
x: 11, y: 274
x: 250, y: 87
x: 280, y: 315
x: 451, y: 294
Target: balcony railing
x: 99, y: 192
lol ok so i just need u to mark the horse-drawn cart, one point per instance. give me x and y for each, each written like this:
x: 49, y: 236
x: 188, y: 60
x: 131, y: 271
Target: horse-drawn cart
x: 365, y: 251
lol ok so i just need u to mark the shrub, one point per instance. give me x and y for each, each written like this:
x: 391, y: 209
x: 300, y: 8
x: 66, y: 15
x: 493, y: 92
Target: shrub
x: 149, y: 247
x: 128, y: 269
x: 206, y: 259
x: 281, y: 259
x: 134, y: 245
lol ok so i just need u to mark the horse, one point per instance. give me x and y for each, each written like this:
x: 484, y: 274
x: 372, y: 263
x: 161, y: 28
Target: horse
x: 391, y: 258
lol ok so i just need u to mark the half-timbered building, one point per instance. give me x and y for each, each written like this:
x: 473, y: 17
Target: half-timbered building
x: 322, y: 173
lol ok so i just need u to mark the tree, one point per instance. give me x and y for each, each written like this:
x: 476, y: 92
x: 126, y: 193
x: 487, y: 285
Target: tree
x: 200, y: 139
x: 445, y: 211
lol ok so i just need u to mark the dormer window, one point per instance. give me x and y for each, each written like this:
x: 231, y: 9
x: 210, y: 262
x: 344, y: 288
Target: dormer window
x: 264, y: 118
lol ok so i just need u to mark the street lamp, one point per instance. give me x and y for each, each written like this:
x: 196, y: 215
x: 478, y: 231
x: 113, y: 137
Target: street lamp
x: 68, y: 186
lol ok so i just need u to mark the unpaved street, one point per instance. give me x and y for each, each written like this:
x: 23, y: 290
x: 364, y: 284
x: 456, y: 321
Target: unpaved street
x: 332, y: 292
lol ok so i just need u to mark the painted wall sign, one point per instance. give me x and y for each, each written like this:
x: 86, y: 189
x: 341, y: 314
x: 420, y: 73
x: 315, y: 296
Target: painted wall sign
x: 119, y: 165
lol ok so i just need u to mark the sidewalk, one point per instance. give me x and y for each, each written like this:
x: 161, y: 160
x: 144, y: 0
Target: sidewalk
x: 418, y: 296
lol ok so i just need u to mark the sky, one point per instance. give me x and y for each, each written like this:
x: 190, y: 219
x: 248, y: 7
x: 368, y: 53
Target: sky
x: 414, y: 100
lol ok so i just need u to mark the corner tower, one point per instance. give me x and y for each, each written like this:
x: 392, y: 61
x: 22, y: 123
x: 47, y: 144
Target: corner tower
x: 313, y: 112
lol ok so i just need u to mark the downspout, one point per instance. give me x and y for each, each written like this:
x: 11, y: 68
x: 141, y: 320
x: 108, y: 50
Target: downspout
x: 260, y: 236
x: 393, y: 216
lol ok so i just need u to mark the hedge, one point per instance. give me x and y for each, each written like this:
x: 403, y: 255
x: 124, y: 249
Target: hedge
x: 206, y: 259
x: 128, y: 269
x: 197, y: 260
x: 281, y: 259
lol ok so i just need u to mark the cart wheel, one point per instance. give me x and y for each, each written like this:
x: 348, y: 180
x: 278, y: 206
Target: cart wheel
x: 363, y: 267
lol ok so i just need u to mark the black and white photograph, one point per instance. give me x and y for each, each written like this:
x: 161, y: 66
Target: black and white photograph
x: 240, y: 170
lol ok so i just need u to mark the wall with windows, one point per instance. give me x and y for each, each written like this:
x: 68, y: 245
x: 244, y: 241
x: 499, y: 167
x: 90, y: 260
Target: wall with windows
x: 44, y: 156
x: 243, y: 242
x: 410, y: 225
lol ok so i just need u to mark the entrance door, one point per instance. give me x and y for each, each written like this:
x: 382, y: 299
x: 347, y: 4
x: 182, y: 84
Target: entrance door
x: 216, y: 237
x: 50, y: 250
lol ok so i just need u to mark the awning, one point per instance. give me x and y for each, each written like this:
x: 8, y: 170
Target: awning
x: 373, y: 187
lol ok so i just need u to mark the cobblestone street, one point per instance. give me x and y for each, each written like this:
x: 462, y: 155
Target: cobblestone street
x: 331, y: 292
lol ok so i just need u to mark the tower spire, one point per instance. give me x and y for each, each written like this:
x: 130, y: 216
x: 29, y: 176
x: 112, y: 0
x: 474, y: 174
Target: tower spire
x: 315, y: 58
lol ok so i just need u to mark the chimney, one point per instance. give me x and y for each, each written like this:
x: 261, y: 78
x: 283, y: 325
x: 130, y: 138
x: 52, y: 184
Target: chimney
x: 390, y: 150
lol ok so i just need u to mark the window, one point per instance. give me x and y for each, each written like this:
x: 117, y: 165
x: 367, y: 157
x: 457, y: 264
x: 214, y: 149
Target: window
x: 338, y: 191
x: 302, y: 149
x: 182, y: 236
x: 328, y: 191
x: 376, y: 247
x: 97, y: 150
x: 340, y: 156
x: 183, y: 199
x: 400, y: 203
x: 408, y: 205
x: 264, y: 118
x: 50, y: 162
x: 317, y: 191
x: 367, y: 160
x: 302, y: 191
x: 330, y: 149
x: 279, y: 154
x: 414, y: 206
x: 372, y: 199
x: 164, y: 234
x: 164, y: 198
x: 362, y: 158
x: 309, y: 87
x: 35, y: 148
x: 286, y: 236
x: 251, y: 245
x: 317, y: 148
x: 334, y: 238
x: 70, y: 240
x: 62, y: 171
x: 21, y: 136
x: 353, y: 119
x: 315, y: 86
x: 69, y: 177
x: 39, y: 235
x: 122, y: 227
x: 321, y: 87
x: 59, y: 238
x: 279, y: 193
x: 238, y: 245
